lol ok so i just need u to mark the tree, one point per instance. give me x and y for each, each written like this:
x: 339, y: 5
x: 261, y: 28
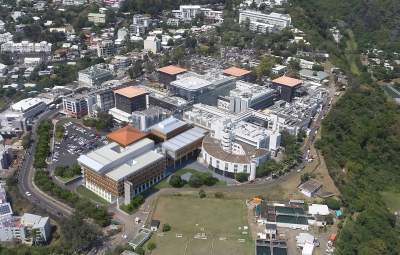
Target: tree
x: 166, y: 227
x: 241, y: 177
x: 265, y: 66
x: 151, y: 246
x: 176, y: 181
x: 332, y: 203
x: 202, y: 193
x: 306, y: 177
x: 136, y: 69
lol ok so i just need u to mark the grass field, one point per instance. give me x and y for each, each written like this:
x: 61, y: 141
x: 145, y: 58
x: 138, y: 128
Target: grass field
x: 392, y: 200
x: 164, y: 183
x: 219, y: 219
x: 84, y: 192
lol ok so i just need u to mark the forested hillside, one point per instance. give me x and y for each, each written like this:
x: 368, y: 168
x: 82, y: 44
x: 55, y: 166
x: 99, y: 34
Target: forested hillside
x: 361, y: 135
x: 374, y: 22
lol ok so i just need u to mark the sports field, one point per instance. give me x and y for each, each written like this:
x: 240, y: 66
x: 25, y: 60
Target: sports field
x: 202, y: 226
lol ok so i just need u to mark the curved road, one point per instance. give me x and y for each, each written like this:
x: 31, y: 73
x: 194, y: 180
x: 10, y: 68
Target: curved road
x: 53, y: 207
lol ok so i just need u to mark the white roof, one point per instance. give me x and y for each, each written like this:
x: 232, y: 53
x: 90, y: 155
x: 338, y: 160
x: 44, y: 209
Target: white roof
x: 303, y: 238
x: 192, y: 83
x: 184, y: 139
x: 168, y: 125
x: 118, y: 162
x: 318, y: 209
x: 25, y: 104
x: 133, y: 165
x: 307, y: 249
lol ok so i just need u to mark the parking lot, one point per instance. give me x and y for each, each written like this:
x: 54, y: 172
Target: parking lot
x: 77, y: 140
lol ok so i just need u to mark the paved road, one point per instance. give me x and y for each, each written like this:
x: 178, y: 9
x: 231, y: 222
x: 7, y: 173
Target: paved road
x: 53, y: 207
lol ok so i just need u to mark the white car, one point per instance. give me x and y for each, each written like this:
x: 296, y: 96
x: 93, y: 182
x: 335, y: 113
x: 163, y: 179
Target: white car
x: 28, y: 194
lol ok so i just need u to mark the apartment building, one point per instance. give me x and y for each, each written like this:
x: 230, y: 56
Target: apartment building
x: 73, y: 2
x: 189, y: 12
x: 6, y: 37
x: 113, y: 3
x: 105, y: 49
x: 94, y: 76
x: 26, y: 48
x: 140, y: 24
x: 123, y: 168
x: 97, y: 18
x: 261, y: 22
x: 153, y: 44
x: 75, y: 106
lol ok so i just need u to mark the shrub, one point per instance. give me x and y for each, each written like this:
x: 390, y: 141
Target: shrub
x: 332, y: 203
x: 151, y: 246
x: 195, y: 181
x: 176, y: 181
x: 202, y: 193
x: 166, y: 227
x: 219, y: 195
x: 241, y: 177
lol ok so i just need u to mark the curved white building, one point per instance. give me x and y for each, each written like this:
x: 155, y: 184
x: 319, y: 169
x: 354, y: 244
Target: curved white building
x: 228, y: 157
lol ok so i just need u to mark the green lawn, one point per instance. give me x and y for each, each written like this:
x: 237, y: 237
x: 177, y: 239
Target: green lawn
x: 219, y: 219
x: 392, y: 200
x: 164, y: 183
x: 84, y: 192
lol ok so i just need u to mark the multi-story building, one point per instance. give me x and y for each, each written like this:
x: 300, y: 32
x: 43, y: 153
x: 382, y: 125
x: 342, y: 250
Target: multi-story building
x: 233, y: 145
x: 75, y: 106
x: 286, y: 87
x: 100, y: 101
x: 28, y: 229
x: 2, y: 25
x: 6, y: 37
x: 73, y: 2
x: 261, y: 22
x: 113, y: 3
x: 97, y: 18
x: 105, y: 49
x: 168, y: 74
x: 25, y: 48
x: 153, y: 44
x: 201, y: 88
x: 140, y: 24
x: 189, y: 12
x: 130, y: 99
x: 247, y: 95
x: 144, y: 119
x: 94, y: 76
x: 125, y: 167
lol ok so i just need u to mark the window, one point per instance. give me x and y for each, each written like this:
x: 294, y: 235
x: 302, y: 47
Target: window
x: 245, y: 169
x: 217, y: 165
x: 235, y: 168
x: 226, y: 166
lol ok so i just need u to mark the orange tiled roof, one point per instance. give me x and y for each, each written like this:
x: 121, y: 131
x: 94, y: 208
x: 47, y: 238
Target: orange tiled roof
x: 235, y: 71
x: 172, y: 70
x: 288, y: 81
x: 126, y: 135
x: 131, y: 91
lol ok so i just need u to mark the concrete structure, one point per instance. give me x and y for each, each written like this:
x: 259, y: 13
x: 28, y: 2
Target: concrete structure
x: 261, y: 22
x: 94, y: 76
x: 97, y: 18
x: 168, y: 74
x: 310, y: 187
x: 106, y: 49
x: 140, y: 24
x: 318, y: 209
x: 100, y: 101
x: 247, y: 95
x: 184, y: 145
x: 16, y: 119
x: 168, y: 128
x: 25, y: 48
x: 201, y: 88
x: 153, y: 44
x: 114, y: 171
x: 113, y: 3
x: 130, y: 99
x: 286, y: 87
x: 189, y: 12
x: 73, y: 2
x: 315, y: 76
x: 75, y: 106
x: 144, y: 119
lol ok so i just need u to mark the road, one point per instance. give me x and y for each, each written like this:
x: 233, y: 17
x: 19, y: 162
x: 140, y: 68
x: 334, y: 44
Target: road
x: 53, y: 207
